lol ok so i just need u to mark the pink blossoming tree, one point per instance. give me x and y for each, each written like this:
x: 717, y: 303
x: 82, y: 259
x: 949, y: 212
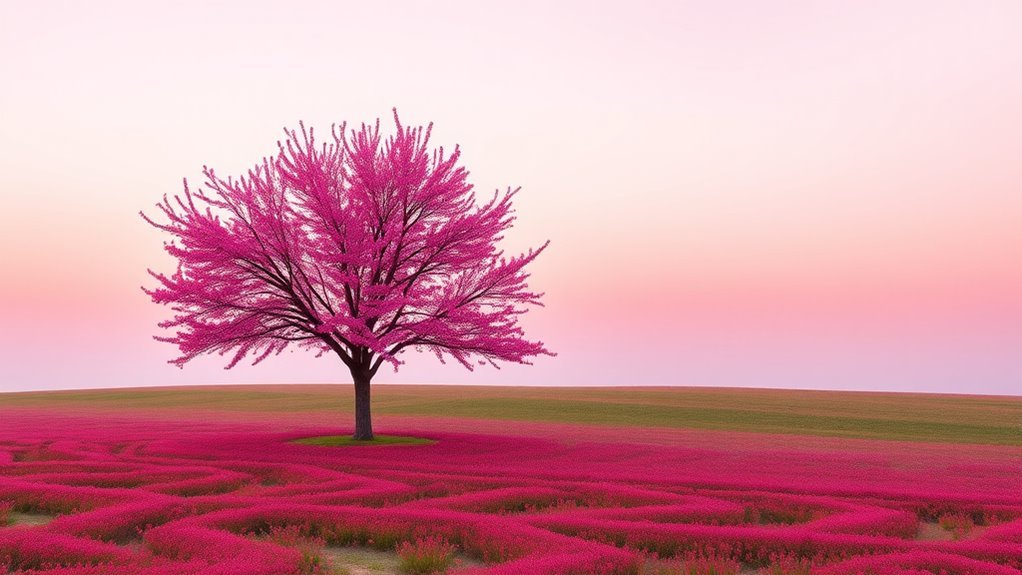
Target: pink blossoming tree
x: 360, y: 246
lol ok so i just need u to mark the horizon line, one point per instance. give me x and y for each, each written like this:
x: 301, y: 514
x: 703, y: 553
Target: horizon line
x: 534, y: 386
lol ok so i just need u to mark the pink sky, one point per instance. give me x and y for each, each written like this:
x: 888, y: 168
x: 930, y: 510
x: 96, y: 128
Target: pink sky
x: 784, y: 194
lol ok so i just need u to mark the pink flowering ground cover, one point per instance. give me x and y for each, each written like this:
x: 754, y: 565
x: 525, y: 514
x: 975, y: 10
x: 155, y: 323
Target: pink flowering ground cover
x: 215, y: 493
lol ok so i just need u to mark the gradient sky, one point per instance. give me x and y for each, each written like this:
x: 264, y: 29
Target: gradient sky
x: 782, y: 194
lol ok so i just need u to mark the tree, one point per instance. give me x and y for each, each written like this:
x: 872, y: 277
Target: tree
x: 360, y: 247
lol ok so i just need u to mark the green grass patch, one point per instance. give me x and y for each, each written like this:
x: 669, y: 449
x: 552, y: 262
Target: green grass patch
x: 347, y: 440
x: 362, y: 561
x: 426, y: 555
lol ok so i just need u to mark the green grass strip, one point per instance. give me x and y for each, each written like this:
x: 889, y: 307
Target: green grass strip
x: 347, y: 440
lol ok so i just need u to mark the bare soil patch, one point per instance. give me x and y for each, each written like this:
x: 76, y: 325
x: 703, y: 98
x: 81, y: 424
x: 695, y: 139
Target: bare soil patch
x: 932, y: 531
x: 365, y: 561
x: 30, y: 519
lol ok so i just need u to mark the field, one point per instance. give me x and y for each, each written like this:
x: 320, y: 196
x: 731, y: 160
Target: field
x: 650, y: 481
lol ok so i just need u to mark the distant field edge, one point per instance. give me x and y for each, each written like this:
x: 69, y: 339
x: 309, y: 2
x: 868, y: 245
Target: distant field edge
x: 897, y: 416
x: 645, y: 387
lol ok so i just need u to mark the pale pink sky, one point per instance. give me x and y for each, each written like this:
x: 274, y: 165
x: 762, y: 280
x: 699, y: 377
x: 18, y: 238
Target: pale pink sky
x: 784, y: 194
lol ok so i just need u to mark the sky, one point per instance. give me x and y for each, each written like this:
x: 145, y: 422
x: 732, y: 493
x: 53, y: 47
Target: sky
x: 786, y: 194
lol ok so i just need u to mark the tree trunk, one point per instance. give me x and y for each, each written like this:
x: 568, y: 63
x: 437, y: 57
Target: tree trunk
x: 363, y: 412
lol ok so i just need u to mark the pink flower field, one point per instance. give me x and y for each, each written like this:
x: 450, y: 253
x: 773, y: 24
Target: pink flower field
x: 136, y: 492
